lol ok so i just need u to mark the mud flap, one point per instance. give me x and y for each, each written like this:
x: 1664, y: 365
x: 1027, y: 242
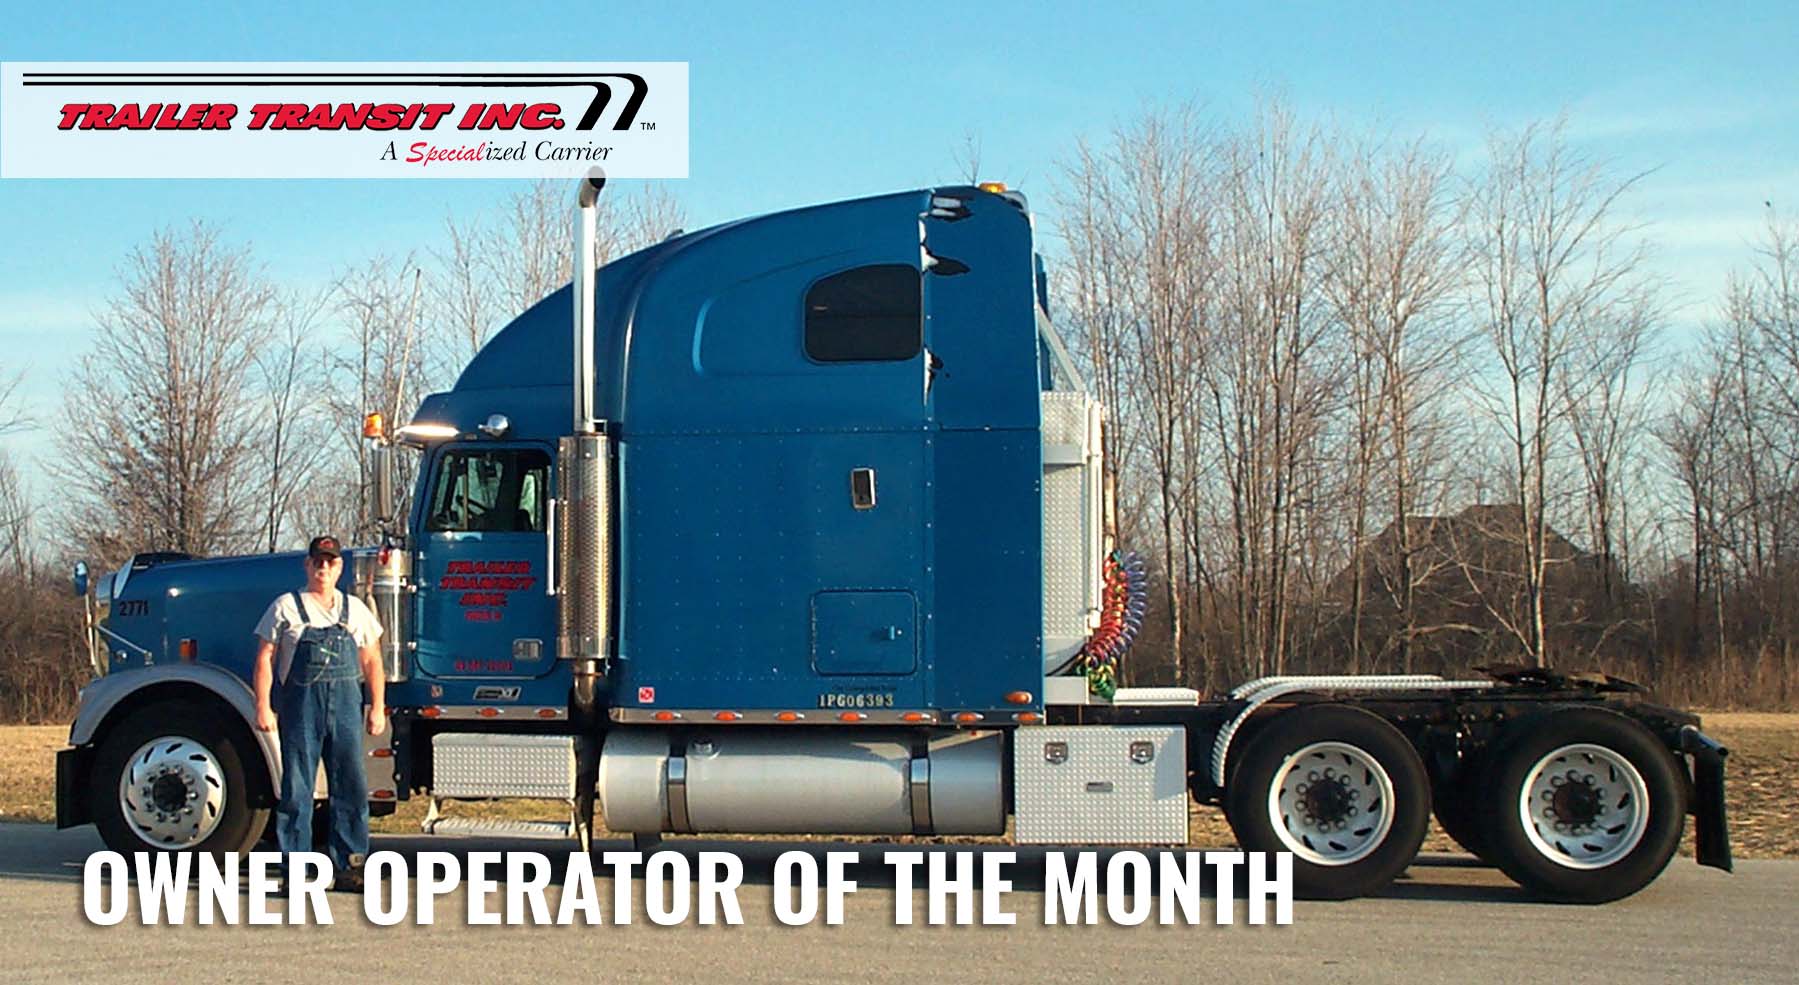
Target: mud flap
x: 71, y: 767
x: 1711, y: 827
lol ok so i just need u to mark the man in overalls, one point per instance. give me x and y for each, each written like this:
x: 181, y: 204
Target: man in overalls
x: 317, y: 648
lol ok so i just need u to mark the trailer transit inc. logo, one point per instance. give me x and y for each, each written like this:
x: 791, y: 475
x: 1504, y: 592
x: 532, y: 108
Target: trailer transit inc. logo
x: 342, y: 120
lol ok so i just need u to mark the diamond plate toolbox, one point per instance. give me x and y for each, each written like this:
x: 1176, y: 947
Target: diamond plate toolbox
x: 1100, y: 785
x: 470, y: 765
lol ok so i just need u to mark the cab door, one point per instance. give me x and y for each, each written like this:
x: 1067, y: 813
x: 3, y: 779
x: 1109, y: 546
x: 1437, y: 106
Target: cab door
x: 482, y: 607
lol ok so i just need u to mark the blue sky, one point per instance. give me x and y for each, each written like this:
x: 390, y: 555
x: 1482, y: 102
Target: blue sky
x: 794, y: 103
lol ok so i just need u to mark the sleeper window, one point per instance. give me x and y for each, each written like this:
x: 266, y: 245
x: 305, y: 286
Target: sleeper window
x: 867, y: 314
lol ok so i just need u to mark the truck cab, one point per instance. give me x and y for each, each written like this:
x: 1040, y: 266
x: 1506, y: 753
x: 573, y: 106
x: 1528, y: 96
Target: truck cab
x: 789, y: 474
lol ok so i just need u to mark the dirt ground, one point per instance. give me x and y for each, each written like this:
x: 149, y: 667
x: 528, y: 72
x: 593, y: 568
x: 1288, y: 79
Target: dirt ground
x: 1762, y: 786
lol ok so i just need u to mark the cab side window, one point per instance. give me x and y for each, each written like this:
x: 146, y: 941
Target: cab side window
x: 498, y: 491
x: 867, y: 314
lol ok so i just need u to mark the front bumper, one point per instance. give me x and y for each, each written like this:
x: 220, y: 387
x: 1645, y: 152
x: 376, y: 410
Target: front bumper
x: 1711, y: 825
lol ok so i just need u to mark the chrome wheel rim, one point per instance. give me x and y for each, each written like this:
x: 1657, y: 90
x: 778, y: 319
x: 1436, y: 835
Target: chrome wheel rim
x: 172, y: 792
x: 1584, y: 806
x: 1331, y: 803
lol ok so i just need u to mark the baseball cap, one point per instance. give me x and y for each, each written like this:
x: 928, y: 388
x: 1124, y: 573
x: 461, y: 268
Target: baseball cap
x: 325, y: 546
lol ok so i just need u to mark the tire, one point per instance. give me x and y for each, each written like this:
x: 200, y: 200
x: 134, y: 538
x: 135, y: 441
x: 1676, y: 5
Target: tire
x: 1586, y: 805
x: 1364, y: 773
x: 172, y: 777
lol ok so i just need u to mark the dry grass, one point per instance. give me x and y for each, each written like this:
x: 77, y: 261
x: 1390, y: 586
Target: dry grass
x: 1763, y: 787
x: 28, y: 771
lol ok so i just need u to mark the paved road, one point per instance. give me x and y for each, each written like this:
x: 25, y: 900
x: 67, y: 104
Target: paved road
x: 1447, y: 920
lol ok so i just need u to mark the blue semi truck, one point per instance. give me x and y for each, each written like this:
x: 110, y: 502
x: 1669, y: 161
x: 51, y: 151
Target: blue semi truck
x: 802, y: 528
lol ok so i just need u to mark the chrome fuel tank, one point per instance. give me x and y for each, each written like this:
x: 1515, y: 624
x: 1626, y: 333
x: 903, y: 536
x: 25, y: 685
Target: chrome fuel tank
x: 803, y: 780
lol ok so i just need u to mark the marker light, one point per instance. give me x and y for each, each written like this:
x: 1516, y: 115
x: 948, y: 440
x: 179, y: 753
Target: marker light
x: 1019, y: 698
x: 727, y: 716
x: 426, y: 432
x: 373, y: 426
x: 996, y: 187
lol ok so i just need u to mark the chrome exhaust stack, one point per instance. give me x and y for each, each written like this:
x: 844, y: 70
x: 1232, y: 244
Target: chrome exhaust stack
x: 583, y: 528
x: 586, y: 274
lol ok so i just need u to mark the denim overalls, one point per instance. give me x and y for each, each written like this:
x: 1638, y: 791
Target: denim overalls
x: 318, y: 711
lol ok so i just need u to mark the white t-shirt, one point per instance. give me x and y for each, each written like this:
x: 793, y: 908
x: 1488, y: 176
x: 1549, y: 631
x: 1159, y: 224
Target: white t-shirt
x: 282, y: 623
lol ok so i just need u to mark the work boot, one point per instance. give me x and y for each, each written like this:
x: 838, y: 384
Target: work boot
x: 348, y: 880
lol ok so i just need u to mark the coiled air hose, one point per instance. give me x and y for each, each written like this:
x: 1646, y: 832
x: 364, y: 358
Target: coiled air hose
x: 1122, y: 604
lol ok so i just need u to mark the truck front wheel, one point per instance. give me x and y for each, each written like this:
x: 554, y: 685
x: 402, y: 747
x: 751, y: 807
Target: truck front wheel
x: 1339, y: 788
x: 1584, y: 805
x: 172, y: 777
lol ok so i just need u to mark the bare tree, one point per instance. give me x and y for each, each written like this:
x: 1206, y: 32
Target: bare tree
x: 492, y: 268
x: 15, y: 504
x: 15, y: 521
x: 1692, y: 435
x: 464, y: 291
x: 529, y: 248
x: 1550, y: 264
x: 292, y: 372
x: 1396, y: 266
x: 1607, y: 411
x: 383, y: 371
x: 1139, y: 228
x: 1737, y: 455
x: 967, y: 157
x: 1094, y: 278
x: 1267, y: 387
x: 11, y: 418
x: 163, y: 413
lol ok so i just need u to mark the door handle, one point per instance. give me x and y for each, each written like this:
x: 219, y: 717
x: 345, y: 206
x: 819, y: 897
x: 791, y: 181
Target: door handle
x: 862, y: 488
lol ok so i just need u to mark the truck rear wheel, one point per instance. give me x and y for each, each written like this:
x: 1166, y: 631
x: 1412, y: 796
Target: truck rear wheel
x: 1339, y: 788
x: 172, y: 777
x: 1585, y: 806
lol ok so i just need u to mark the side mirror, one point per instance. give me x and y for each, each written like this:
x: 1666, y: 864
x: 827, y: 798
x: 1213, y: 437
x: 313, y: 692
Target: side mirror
x: 79, y: 581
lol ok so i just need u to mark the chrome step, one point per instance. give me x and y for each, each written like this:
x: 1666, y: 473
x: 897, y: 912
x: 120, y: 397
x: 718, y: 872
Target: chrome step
x: 470, y: 827
x: 483, y: 764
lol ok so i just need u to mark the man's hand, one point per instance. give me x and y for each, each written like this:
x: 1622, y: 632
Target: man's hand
x: 265, y: 718
x: 377, y: 719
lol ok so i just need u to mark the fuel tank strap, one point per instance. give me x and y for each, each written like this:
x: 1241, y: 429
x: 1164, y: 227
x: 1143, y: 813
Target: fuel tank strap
x: 920, y: 780
x: 677, y: 789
